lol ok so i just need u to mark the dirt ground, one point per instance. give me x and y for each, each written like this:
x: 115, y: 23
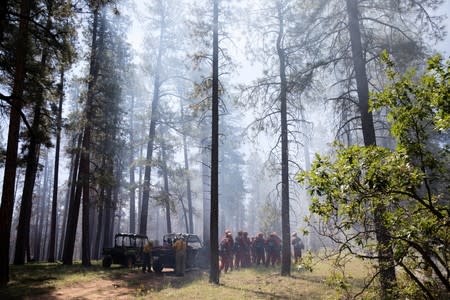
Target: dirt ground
x: 129, y: 286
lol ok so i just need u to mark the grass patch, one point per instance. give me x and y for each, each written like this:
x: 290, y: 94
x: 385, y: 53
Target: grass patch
x: 59, y: 281
x: 266, y: 283
x: 252, y: 283
x: 36, y: 279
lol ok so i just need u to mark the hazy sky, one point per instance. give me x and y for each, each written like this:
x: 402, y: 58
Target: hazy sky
x: 444, y: 46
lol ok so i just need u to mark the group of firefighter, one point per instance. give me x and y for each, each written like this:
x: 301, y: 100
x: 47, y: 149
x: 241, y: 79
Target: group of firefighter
x: 243, y: 251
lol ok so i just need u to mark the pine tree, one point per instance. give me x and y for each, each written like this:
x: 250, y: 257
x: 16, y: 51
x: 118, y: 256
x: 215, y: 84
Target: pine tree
x: 214, y: 219
x: 17, y: 102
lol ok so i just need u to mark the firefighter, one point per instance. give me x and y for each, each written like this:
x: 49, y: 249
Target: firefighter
x: 239, y: 250
x: 258, y: 247
x: 226, y: 252
x: 273, y: 249
x: 297, y: 244
x: 252, y: 250
x: 246, y: 250
x: 180, y: 256
x: 147, y: 257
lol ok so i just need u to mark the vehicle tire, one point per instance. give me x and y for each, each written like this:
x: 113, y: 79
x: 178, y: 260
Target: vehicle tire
x: 129, y: 262
x: 107, y: 261
x: 157, y: 266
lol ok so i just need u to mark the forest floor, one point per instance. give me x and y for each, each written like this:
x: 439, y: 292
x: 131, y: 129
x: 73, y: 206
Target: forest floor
x: 55, y: 281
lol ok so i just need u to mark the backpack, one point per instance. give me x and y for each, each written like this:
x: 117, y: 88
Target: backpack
x: 259, y: 244
x: 223, y: 246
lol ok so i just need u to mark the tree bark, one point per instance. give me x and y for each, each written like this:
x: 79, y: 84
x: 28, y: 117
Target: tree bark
x: 34, y: 236
x: 152, y: 131
x: 52, y: 242
x: 362, y: 84
x: 385, y: 253
x: 46, y: 212
x: 23, y: 228
x: 140, y: 187
x: 108, y: 216
x: 214, y: 219
x: 98, y: 238
x: 93, y: 208
x: 32, y: 162
x: 7, y: 205
x: 41, y: 216
x: 166, y: 187
x: 73, y: 208
x: 132, y: 171
x: 70, y: 190
x: 85, y: 172
x: 117, y: 210
x: 190, y: 229
x: 185, y: 214
x: 285, y: 225
x: 206, y: 171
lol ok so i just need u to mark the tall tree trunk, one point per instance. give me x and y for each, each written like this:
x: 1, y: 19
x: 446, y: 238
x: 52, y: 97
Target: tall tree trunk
x: 140, y: 186
x: 116, y: 207
x: 100, y: 218
x: 166, y: 187
x: 93, y: 225
x: 84, y: 170
x: 63, y: 222
x: 42, y: 210
x: 362, y: 84
x: 108, y: 216
x: 152, y: 131
x: 23, y: 228
x: 46, y: 216
x: 385, y: 252
x: 285, y: 225
x: 312, y: 236
x: 7, y: 205
x: 132, y: 171
x: 52, y: 242
x: 206, y: 172
x: 34, y: 236
x: 73, y: 208
x: 214, y: 225
x: 70, y: 190
x: 157, y: 227
x: 32, y: 162
x: 37, y: 225
x: 30, y: 176
x: 72, y: 222
x: 185, y: 213
x: 190, y: 229
x: 84, y: 174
